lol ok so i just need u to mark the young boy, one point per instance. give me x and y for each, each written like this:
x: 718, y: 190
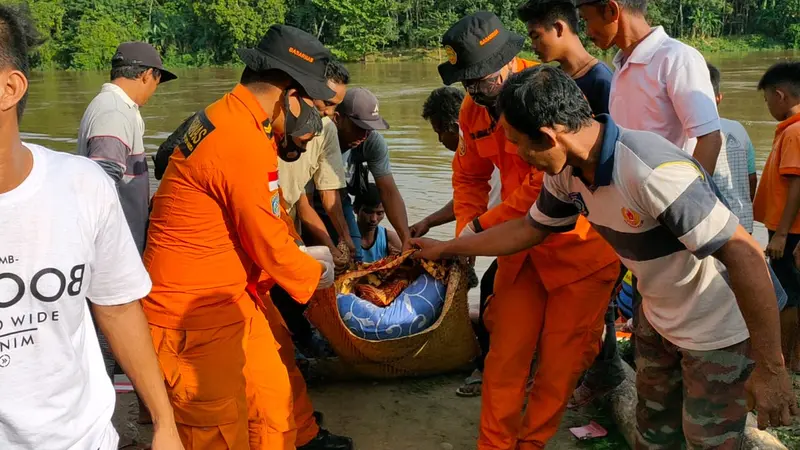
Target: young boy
x: 553, y: 29
x: 735, y: 174
x: 376, y: 241
x: 708, y: 306
x: 777, y: 201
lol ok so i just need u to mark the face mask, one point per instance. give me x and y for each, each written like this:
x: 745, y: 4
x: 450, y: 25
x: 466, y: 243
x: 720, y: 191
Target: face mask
x: 485, y: 92
x: 308, y: 121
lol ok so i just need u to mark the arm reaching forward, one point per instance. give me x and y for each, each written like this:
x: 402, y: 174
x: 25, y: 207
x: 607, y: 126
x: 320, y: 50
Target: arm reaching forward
x: 505, y: 239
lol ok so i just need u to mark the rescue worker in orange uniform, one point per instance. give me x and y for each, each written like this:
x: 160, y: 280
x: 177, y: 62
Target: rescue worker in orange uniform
x: 549, y: 299
x: 216, y: 225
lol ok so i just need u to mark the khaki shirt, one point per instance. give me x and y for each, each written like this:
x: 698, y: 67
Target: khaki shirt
x: 321, y: 163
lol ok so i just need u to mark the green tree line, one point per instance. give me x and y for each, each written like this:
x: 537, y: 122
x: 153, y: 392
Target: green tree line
x: 82, y: 34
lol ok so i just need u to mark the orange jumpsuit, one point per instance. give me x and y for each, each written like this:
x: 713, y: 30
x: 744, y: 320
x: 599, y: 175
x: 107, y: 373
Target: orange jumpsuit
x: 216, y: 223
x: 551, y: 297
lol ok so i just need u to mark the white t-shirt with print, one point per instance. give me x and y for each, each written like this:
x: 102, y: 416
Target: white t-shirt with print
x: 63, y: 239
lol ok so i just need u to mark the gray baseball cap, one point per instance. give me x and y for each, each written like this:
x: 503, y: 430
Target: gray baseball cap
x: 361, y: 106
x: 140, y: 54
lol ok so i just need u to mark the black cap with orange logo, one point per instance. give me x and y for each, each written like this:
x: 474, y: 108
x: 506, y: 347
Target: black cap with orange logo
x: 299, y: 54
x: 477, y: 45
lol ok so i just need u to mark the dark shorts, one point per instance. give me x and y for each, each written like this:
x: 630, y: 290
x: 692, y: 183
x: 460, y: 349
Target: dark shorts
x: 786, y: 270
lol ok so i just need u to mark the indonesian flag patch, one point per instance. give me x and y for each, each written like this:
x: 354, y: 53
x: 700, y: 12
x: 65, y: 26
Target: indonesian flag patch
x: 274, y: 184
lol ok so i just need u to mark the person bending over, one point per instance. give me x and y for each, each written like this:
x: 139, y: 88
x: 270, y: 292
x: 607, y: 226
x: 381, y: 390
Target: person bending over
x: 708, y: 303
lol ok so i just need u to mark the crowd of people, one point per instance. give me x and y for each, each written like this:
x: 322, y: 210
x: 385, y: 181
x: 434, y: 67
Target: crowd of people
x: 572, y: 175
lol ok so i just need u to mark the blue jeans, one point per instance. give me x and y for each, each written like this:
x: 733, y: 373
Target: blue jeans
x: 349, y: 217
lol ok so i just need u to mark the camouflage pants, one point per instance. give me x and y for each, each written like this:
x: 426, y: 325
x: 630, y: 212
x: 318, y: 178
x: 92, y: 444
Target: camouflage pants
x: 698, y: 396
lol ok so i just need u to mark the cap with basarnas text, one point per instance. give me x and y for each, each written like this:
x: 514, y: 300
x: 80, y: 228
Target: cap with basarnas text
x: 361, y: 106
x: 477, y: 45
x: 140, y: 54
x: 296, y: 53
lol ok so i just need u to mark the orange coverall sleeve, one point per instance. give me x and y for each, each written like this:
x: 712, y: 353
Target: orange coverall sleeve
x: 242, y: 185
x: 471, y: 175
x: 517, y: 204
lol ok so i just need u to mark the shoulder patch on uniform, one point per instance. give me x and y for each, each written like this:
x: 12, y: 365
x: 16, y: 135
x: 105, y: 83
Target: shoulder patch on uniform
x: 199, y: 128
x: 276, y: 205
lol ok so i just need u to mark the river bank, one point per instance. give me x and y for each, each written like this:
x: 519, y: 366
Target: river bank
x: 708, y: 46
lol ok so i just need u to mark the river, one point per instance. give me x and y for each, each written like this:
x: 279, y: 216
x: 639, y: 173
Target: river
x: 420, y: 164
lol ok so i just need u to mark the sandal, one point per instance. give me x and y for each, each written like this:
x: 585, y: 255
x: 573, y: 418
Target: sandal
x: 471, y: 386
x: 583, y: 395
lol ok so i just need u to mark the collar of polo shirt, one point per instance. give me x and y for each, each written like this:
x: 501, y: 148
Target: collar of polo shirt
x: 605, y: 163
x: 645, y: 50
x: 111, y: 87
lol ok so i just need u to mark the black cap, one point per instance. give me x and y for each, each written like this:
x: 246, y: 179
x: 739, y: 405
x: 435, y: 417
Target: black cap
x: 476, y: 46
x: 140, y: 54
x: 361, y: 106
x: 299, y: 54
x: 578, y: 3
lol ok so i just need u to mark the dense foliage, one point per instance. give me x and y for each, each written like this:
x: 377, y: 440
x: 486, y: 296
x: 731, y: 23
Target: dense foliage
x: 82, y: 34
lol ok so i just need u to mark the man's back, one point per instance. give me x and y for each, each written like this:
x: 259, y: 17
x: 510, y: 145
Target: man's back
x: 732, y: 171
x: 111, y: 133
x: 64, y: 239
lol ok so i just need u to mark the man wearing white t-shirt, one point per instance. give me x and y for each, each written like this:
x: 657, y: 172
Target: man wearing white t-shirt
x: 660, y: 84
x: 64, y: 238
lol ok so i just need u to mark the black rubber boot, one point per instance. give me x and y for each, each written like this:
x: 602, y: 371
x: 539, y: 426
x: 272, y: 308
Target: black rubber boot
x: 327, y: 441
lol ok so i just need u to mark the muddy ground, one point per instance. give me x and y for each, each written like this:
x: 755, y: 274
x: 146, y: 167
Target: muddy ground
x: 411, y: 414
x: 416, y: 414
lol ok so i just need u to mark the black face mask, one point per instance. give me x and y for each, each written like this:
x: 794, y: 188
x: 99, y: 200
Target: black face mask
x: 308, y: 121
x: 485, y: 92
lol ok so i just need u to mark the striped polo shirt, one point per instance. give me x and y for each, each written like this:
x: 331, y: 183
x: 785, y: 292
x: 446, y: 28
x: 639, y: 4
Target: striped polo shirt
x: 660, y: 212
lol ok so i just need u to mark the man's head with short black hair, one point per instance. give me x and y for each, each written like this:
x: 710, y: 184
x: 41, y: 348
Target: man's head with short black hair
x: 337, y: 72
x: 369, y: 208
x: 539, y: 106
x: 716, y: 78
x: 781, y: 87
x: 547, y: 12
x: 132, y: 72
x: 633, y: 6
x: 18, y: 37
x: 605, y: 18
x: 441, y: 110
x: 338, y: 78
x: 552, y: 27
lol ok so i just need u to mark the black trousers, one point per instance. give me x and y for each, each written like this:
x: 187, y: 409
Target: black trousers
x: 292, y: 313
x: 487, y: 289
